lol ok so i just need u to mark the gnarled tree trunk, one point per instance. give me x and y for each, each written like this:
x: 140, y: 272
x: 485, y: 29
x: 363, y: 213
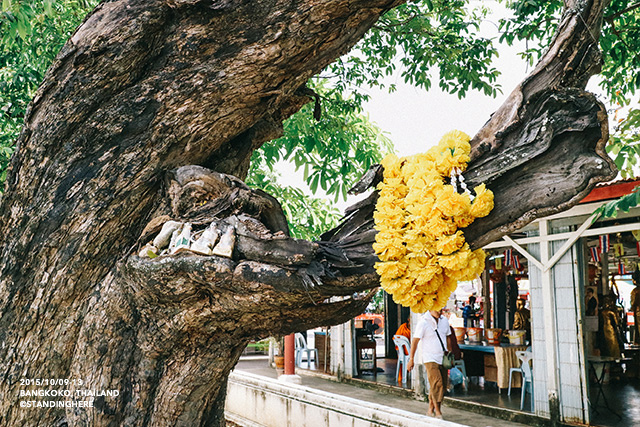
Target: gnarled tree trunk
x: 144, y: 89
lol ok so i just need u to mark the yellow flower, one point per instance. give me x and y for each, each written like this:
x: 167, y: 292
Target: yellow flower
x: 393, y: 187
x: 419, y: 307
x: 393, y: 286
x: 389, y: 235
x: 439, y: 226
x: 390, y: 285
x: 391, y: 269
x: 391, y: 164
x: 431, y: 286
x: 417, y: 216
x: 457, y: 140
x: 452, y: 204
x: 483, y: 203
x: 424, y: 179
x: 457, y: 260
x: 463, y: 221
x: 429, y: 300
x: 415, y: 165
x: 404, y: 299
x: 391, y: 218
x: 425, y: 303
x: 389, y: 249
x: 388, y: 203
x: 416, y: 243
x: 449, y: 285
x: 446, y: 245
x: 440, y: 300
x: 455, y: 274
x: 476, y: 262
x: 426, y: 279
x: 420, y: 210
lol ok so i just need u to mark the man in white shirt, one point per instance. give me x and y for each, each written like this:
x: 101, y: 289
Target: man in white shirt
x: 432, y: 323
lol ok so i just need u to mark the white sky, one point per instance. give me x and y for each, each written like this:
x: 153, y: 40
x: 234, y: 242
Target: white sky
x: 416, y: 119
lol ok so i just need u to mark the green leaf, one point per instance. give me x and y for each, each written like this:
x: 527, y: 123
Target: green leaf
x: 625, y: 203
x: 21, y: 27
x: 610, y: 211
x: 314, y: 183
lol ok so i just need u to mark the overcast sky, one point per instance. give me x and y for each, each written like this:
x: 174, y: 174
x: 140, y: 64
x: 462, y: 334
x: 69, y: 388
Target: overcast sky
x: 416, y: 119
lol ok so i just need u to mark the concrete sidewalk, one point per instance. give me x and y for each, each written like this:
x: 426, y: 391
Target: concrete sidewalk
x: 259, y: 366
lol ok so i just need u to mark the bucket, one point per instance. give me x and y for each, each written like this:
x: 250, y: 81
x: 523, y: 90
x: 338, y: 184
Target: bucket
x: 460, y: 333
x: 493, y: 335
x: 474, y: 334
x: 279, y: 361
x: 516, y: 337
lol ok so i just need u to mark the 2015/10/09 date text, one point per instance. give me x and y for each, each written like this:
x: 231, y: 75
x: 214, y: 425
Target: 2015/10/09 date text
x: 43, y: 382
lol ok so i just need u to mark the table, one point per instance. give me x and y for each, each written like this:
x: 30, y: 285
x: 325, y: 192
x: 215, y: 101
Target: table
x: 492, y: 362
x: 594, y: 360
x: 478, y: 347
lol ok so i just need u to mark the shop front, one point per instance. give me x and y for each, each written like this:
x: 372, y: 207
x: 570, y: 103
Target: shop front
x: 568, y: 276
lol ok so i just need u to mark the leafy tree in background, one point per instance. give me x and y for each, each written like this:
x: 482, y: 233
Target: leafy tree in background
x: 410, y: 40
x: 31, y: 35
x: 535, y: 21
x: 624, y: 144
x: 422, y: 41
x: 335, y: 150
x: 332, y: 151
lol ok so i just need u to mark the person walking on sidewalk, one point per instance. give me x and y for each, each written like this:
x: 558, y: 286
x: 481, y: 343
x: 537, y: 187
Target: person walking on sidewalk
x: 432, y: 323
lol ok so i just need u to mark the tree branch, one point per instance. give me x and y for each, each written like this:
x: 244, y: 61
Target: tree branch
x: 610, y: 18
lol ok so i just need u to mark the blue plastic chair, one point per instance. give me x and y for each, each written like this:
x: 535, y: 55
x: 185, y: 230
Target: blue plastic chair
x: 527, y: 376
x: 511, y: 371
x: 301, y: 347
x: 404, y: 347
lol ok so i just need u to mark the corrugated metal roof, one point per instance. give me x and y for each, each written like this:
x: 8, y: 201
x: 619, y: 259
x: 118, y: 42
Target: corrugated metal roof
x: 611, y: 190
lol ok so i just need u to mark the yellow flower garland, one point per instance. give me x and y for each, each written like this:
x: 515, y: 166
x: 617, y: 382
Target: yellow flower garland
x: 422, y: 252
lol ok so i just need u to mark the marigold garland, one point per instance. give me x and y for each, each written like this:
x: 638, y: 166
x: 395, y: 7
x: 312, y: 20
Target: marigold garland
x: 422, y: 252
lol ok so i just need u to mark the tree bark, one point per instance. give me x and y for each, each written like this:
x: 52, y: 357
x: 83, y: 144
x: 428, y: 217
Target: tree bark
x: 142, y: 90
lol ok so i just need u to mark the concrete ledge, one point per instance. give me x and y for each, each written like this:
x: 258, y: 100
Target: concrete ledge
x: 526, y: 418
x: 239, y: 421
x: 366, y: 384
x: 259, y: 401
x: 384, y: 388
x: 506, y: 414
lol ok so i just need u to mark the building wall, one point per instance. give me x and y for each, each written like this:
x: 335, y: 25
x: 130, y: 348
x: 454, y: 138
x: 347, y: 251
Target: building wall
x: 342, y: 362
x: 569, y: 348
x: 567, y: 282
x: 541, y: 398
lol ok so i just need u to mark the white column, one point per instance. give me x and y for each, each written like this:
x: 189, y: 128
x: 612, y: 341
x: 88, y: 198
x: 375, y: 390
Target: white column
x: 550, y: 323
x: 342, y: 350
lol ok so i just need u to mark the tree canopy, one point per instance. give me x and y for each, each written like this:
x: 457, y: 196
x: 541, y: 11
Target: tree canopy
x: 535, y: 21
x: 411, y: 40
